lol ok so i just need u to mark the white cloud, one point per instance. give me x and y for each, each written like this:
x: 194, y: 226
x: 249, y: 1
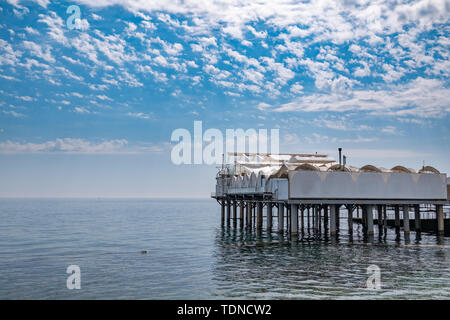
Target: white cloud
x: 362, y: 72
x: 297, y: 88
x: 8, y: 77
x: 390, y: 130
x: 139, y: 115
x: 340, y: 124
x: 56, y: 27
x: 8, y: 56
x: 81, y: 146
x: 291, y: 138
x: 30, y: 30
x: 66, y: 145
x: 104, y: 97
x: 82, y: 24
x: 13, y: 113
x: 172, y: 49
x: 81, y: 110
x: 384, y: 154
x: 96, y: 17
x: 317, y: 138
x: 25, y: 98
x: 421, y: 97
x: 42, y: 3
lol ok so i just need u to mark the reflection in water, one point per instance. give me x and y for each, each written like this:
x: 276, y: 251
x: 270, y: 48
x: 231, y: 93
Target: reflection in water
x: 312, y: 266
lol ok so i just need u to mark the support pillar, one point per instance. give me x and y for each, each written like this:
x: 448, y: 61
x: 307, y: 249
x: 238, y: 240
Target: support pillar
x: 269, y: 216
x: 417, y: 222
x: 302, y: 218
x: 288, y: 217
x: 280, y: 217
x: 325, y: 217
x: 222, y: 212
x: 228, y: 212
x: 234, y: 213
x: 313, y: 217
x: 241, y: 215
x: 440, y: 218
x: 397, y: 218
x: 406, y: 219
x: 333, y: 219
x: 249, y: 214
x: 338, y: 217
x: 253, y: 212
x: 317, y: 217
x: 385, y: 216
x: 380, y: 215
x: 294, y: 219
x: 364, y: 217
x: 259, y: 216
x: 369, y: 217
x: 350, y: 218
x: 307, y: 219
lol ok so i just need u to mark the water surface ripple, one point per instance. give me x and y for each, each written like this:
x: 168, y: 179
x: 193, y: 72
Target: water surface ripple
x: 191, y: 257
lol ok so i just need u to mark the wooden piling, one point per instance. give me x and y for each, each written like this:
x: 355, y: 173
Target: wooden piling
x: 249, y: 214
x: 280, y: 217
x: 241, y: 214
x: 302, y: 218
x: 364, y: 217
x: 307, y: 219
x: 397, y: 218
x: 406, y: 219
x: 417, y: 222
x: 313, y: 217
x: 325, y: 217
x: 228, y: 212
x: 222, y: 212
x: 338, y: 217
x: 294, y: 219
x: 369, y: 217
x: 316, y: 217
x: 253, y: 212
x: 380, y: 215
x: 350, y: 218
x: 333, y: 220
x: 259, y: 216
x: 319, y: 209
x: 288, y: 217
x: 269, y: 216
x: 440, y: 219
x: 234, y: 213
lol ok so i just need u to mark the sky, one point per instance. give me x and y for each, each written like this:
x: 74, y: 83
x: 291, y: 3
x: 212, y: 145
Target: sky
x: 89, y: 111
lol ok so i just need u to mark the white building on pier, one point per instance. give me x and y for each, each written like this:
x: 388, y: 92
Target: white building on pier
x: 304, y: 181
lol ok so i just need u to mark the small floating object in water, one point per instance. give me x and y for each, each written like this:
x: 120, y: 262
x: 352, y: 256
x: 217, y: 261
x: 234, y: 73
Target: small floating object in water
x: 144, y: 251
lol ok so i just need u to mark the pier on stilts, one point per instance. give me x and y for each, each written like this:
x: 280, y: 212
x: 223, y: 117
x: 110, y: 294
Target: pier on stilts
x: 313, y: 195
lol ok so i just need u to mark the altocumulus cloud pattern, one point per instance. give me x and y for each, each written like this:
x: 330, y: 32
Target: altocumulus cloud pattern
x: 353, y: 71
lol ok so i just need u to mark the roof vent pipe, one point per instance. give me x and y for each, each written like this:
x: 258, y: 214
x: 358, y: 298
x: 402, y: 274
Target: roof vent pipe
x: 340, y: 156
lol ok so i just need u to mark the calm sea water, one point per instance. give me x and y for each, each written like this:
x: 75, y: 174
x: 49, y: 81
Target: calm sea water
x: 191, y: 257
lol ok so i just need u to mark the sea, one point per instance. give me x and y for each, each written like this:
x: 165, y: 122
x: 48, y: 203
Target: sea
x: 177, y: 249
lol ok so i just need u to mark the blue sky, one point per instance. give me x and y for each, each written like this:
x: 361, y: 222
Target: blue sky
x: 90, y: 111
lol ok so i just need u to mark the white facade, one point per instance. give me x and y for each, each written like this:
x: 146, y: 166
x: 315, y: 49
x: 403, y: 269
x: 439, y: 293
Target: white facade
x: 367, y: 185
x: 317, y: 177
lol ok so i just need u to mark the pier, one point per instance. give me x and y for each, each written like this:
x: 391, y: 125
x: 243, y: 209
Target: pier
x: 298, y: 193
